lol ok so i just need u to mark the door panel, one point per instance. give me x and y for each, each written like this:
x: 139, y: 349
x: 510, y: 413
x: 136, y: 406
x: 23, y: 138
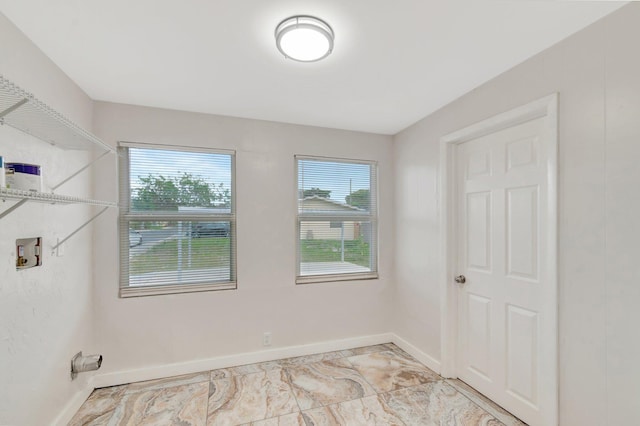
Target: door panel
x: 521, y: 153
x: 522, y: 336
x: 478, y: 164
x: 479, y: 226
x: 502, y: 226
x: 522, y: 232
x: 479, y: 335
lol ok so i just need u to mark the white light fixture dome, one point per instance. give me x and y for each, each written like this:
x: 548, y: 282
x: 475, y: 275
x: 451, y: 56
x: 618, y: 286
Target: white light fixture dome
x: 304, y: 38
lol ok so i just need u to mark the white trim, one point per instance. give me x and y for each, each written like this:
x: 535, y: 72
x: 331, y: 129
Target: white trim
x: 125, y: 216
x: 312, y: 279
x: 333, y: 160
x: 72, y: 407
x: 342, y: 216
x: 421, y: 356
x: 545, y: 107
x: 175, y: 369
x: 201, y: 149
x: 158, y: 290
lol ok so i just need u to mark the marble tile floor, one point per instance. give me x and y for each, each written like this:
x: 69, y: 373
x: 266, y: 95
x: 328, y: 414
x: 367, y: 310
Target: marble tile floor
x: 372, y: 385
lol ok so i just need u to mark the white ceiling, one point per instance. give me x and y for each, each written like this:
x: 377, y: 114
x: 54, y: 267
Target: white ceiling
x: 394, y: 62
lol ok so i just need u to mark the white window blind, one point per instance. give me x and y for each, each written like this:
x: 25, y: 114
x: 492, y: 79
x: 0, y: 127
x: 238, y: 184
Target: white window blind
x: 337, y: 219
x: 177, y: 220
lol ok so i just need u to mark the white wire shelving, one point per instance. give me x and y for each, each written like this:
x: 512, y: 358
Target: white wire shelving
x: 45, y: 197
x: 24, y: 112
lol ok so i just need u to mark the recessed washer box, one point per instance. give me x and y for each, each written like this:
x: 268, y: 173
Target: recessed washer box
x: 26, y: 177
x: 28, y: 252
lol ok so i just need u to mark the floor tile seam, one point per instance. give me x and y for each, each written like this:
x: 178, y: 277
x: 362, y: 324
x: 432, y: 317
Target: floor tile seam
x: 320, y: 361
x: 113, y: 418
x: 284, y: 365
x: 363, y: 377
x: 381, y: 398
x: 349, y: 400
x: 370, y: 353
x: 464, y: 394
x: 288, y: 381
x: 413, y: 386
x: 233, y: 375
x: 440, y: 378
x: 129, y: 392
x: 209, y: 394
x: 206, y: 413
x: 421, y: 409
x: 339, y: 402
x: 268, y: 418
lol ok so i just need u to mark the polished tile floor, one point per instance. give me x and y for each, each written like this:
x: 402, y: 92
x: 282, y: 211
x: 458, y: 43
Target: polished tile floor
x: 373, y: 385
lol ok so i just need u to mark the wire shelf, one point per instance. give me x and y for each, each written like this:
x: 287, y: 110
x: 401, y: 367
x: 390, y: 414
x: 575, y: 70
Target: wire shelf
x: 43, y: 197
x: 23, y: 111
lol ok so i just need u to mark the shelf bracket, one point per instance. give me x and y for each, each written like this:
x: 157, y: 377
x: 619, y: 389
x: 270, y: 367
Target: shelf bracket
x: 13, y: 207
x: 54, y: 248
x: 13, y: 108
x: 104, y: 154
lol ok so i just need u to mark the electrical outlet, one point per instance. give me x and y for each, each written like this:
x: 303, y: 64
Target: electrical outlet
x: 266, y: 339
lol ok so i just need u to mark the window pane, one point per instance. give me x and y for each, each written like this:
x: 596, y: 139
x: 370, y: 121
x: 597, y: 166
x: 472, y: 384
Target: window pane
x: 166, y: 180
x: 329, y: 249
x: 179, y: 252
x: 334, y: 187
x: 336, y: 219
x: 177, y: 220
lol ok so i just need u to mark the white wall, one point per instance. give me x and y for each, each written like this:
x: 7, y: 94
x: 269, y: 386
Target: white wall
x: 596, y: 73
x: 152, y: 331
x: 45, y: 313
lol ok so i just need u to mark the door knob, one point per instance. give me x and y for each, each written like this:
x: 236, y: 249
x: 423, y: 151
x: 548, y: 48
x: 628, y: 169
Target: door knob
x: 460, y: 279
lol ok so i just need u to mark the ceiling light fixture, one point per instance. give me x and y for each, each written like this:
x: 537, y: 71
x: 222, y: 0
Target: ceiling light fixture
x: 304, y: 38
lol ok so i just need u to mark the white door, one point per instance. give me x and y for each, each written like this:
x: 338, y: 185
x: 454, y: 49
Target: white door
x: 506, y: 307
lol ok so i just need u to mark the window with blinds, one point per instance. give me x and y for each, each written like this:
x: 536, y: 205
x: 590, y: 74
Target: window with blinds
x: 177, y: 219
x: 337, y: 219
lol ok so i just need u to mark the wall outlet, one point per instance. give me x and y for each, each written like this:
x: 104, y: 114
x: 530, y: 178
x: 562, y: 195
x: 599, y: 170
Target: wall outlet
x: 266, y: 339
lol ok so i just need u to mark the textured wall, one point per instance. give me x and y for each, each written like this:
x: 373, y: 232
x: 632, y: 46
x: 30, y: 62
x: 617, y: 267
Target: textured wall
x: 45, y: 313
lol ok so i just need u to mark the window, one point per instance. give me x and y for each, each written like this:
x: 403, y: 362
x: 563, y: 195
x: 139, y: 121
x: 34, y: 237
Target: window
x: 337, y: 220
x: 177, y: 220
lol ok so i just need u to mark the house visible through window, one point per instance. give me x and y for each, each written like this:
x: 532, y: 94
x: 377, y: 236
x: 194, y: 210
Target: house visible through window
x: 177, y: 220
x: 337, y: 219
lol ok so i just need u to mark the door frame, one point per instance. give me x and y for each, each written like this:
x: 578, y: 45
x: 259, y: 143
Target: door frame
x: 545, y: 107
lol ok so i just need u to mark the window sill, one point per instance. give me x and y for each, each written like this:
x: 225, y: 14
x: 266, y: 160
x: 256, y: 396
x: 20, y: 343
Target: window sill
x: 312, y: 279
x: 140, y: 291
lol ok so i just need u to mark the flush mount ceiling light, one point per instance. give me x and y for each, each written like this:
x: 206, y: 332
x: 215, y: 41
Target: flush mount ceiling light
x: 304, y: 38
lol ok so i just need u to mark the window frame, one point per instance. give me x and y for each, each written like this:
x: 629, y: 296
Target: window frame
x: 371, y: 217
x: 125, y: 216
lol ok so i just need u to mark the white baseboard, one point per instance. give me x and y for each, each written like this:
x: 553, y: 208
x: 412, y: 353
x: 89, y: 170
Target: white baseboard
x: 423, y: 357
x: 176, y: 369
x: 72, y: 407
